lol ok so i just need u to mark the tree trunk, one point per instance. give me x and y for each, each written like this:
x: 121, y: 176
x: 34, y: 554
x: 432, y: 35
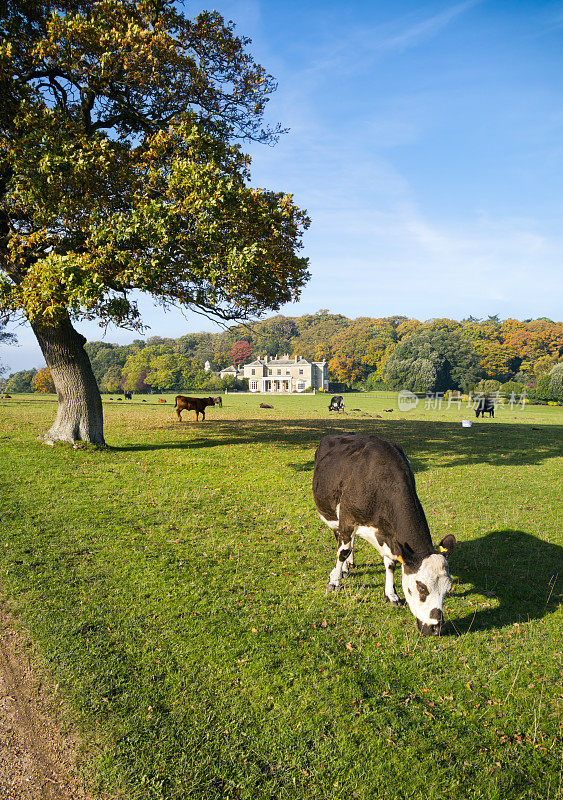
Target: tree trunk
x: 79, y: 415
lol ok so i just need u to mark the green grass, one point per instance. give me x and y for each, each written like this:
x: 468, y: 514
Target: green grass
x: 174, y: 588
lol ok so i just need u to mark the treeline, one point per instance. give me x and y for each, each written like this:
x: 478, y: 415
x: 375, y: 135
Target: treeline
x: 391, y: 352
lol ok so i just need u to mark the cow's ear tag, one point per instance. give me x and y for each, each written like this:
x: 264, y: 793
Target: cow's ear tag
x: 442, y: 549
x: 401, y: 559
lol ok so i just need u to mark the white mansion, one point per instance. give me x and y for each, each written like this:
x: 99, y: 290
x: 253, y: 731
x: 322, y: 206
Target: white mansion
x: 282, y: 374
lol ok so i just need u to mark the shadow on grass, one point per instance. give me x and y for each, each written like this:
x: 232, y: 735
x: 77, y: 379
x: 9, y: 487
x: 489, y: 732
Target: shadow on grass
x: 520, y: 574
x: 425, y: 442
x: 517, y: 574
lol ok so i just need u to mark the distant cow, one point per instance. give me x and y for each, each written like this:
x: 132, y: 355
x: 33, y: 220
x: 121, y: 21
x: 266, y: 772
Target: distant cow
x: 485, y: 405
x: 265, y: 405
x: 218, y: 401
x: 197, y: 404
x: 161, y: 400
x: 364, y: 486
x: 128, y: 395
x: 336, y: 403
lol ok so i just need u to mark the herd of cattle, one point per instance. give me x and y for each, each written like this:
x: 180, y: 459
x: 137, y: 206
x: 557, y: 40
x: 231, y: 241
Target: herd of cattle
x: 483, y: 405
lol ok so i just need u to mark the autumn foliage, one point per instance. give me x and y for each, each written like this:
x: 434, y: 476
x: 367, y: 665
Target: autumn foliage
x: 43, y: 382
x: 241, y: 352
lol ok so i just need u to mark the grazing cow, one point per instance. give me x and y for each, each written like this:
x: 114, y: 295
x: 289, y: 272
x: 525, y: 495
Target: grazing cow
x: 128, y: 395
x: 364, y: 486
x: 161, y: 400
x: 485, y: 405
x: 218, y: 401
x: 336, y: 403
x: 197, y: 404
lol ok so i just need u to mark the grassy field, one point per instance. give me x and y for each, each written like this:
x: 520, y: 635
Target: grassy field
x: 173, y: 586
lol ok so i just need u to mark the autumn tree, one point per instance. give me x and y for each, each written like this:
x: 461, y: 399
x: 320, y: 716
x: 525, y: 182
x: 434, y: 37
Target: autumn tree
x: 120, y: 173
x: 241, y: 352
x: 43, y: 382
x: 360, y: 348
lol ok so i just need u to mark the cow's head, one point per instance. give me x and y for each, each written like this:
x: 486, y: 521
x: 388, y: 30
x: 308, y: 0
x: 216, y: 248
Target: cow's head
x: 425, y: 584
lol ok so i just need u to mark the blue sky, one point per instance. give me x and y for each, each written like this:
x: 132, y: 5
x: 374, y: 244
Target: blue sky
x: 426, y: 143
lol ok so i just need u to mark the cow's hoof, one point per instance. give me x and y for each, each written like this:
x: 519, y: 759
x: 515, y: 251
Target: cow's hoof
x: 396, y: 603
x: 332, y: 587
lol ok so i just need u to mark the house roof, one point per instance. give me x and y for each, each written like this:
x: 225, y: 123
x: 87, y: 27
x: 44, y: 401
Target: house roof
x: 283, y: 361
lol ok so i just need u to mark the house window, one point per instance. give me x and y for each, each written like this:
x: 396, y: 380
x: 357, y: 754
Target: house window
x: 253, y: 385
x: 269, y: 372
x: 287, y: 372
x: 279, y: 371
x: 301, y: 372
x: 254, y: 372
x: 300, y: 386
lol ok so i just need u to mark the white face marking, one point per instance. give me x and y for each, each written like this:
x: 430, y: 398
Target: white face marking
x: 434, y: 577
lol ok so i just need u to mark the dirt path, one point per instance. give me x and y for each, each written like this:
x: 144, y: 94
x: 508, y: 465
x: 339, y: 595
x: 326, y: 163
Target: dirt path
x: 36, y: 759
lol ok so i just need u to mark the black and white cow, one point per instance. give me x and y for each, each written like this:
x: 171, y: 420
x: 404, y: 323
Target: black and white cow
x: 485, y: 405
x: 336, y: 403
x: 364, y: 486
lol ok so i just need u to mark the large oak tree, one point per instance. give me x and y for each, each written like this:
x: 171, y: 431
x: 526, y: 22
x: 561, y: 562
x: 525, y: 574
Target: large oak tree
x: 120, y: 172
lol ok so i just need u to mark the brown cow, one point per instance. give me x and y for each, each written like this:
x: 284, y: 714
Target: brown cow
x: 197, y: 404
x: 218, y: 401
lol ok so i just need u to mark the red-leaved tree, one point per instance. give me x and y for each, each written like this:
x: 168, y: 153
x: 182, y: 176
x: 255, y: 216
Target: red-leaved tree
x: 241, y: 352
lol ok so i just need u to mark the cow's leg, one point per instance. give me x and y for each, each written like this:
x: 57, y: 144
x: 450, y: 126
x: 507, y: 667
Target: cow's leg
x: 203, y: 415
x: 391, y: 595
x: 349, y: 563
x: 345, y: 537
x: 178, y: 413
